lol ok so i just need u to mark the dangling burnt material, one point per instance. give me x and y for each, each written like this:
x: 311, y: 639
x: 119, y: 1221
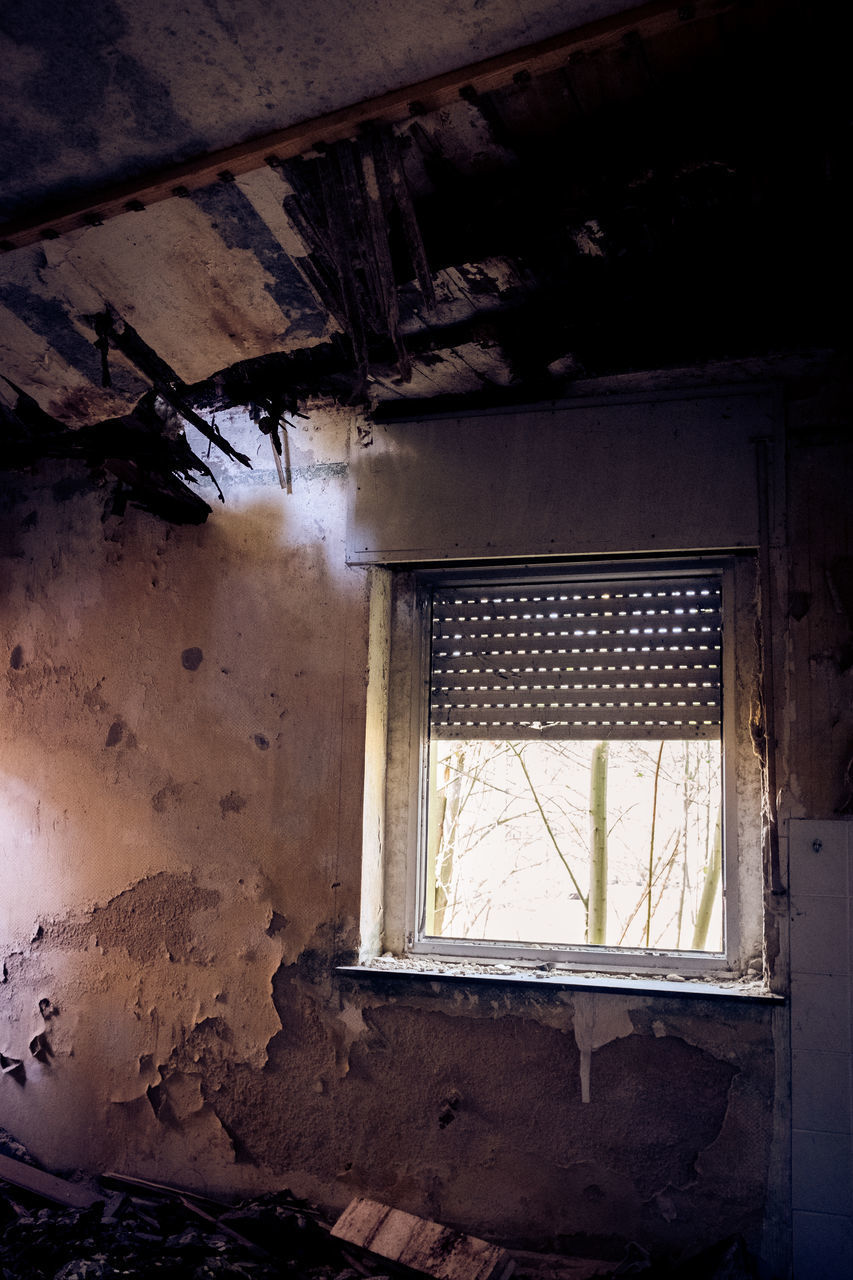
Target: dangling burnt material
x: 346, y: 206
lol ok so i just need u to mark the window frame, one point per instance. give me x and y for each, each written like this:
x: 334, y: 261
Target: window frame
x: 411, y: 641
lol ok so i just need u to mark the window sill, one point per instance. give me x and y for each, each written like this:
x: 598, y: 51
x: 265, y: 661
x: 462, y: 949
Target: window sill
x: 553, y: 976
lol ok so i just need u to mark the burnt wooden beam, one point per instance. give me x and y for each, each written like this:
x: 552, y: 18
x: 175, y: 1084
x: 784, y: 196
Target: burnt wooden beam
x: 343, y: 205
x: 377, y: 206
x: 387, y: 158
x: 150, y: 464
x: 162, y: 376
x: 485, y: 76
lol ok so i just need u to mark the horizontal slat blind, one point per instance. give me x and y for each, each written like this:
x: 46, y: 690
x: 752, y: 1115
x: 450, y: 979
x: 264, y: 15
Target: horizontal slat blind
x: 638, y: 658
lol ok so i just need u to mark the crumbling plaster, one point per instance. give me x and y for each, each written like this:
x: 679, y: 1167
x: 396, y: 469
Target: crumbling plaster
x: 182, y: 757
x: 174, y: 804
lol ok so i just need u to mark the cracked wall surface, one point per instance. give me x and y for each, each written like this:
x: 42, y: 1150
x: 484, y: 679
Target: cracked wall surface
x: 180, y: 864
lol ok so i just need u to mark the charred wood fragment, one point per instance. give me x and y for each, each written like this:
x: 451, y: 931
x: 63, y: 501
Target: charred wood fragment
x: 103, y: 324
x: 166, y: 382
x: 488, y: 108
x: 405, y: 206
x: 150, y: 463
x: 376, y: 183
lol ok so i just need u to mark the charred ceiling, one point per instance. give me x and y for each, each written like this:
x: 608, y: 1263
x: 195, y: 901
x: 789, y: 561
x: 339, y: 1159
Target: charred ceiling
x: 667, y: 192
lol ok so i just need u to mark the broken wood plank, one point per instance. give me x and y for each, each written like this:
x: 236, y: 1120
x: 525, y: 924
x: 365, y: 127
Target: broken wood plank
x: 46, y: 1185
x: 162, y: 1189
x: 420, y: 1244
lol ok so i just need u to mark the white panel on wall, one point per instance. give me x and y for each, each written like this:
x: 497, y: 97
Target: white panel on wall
x: 586, y: 478
x: 821, y: 882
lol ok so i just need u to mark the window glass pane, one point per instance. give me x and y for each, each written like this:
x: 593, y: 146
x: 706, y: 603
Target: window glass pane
x: 576, y: 843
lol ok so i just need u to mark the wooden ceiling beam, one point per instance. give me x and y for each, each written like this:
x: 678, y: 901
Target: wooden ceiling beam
x: 532, y: 60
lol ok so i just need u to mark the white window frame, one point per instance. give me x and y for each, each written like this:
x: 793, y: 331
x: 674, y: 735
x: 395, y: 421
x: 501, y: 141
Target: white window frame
x: 407, y: 778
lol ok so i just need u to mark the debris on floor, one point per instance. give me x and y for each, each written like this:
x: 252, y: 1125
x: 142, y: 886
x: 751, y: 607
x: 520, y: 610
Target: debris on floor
x: 119, y: 1227
x: 134, y: 1229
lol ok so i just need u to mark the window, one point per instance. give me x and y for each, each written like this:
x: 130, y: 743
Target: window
x: 576, y: 762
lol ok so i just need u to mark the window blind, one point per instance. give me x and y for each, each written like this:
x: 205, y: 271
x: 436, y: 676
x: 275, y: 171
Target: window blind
x: 637, y: 658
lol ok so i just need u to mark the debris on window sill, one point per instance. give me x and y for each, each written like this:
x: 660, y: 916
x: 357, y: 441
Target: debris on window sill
x: 750, y: 987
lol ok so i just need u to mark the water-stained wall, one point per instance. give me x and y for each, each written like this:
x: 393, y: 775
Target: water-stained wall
x: 181, y: 757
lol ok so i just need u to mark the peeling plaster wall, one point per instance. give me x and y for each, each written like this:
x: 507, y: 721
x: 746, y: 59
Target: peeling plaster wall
x: 180, y: 868
x: 177, y: 817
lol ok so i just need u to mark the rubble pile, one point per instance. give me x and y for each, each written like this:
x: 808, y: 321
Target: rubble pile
x: 119, y: 1226
x: 167, y: 1235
